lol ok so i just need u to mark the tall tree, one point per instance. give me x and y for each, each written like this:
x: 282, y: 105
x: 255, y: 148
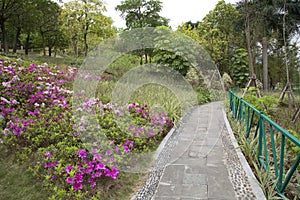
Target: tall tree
x: 84, y: 17
x: 219, y: 35
x: 263, y: 21
x: 8, y: 9
x: 142, y: 13
x: 48, y: 23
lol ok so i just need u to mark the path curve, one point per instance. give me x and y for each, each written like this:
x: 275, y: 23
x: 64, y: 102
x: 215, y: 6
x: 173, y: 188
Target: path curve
x: 199, y: 161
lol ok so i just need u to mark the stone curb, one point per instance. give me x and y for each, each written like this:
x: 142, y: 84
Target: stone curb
x: 163, y: 143
x: 251, y: 177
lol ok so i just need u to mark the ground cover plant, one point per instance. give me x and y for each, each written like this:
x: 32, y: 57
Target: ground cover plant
x: 41, y: 130
x: 282, y: 114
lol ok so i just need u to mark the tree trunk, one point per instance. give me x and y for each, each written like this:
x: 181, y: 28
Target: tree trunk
x: 27, y: 43
x: 4, y: 37
x: 16, y: 39
x: 248, y: 39
x: 43, y: 43
x: 85, y: 44
x: 74, y: 46
x: 265, y: 63
x: 146, y: 58
x: 50, y: 51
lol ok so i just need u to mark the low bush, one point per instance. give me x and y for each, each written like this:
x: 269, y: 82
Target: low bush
x: 45, y: 133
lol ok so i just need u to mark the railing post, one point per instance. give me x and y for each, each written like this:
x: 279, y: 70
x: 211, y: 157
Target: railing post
x: 290, y: 173
x: 281, y: 166
x: 243, y: 111
x: 260, y: 137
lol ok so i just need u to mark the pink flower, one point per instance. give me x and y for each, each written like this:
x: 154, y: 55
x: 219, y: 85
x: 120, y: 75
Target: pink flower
x: 128, y: 142
x: 78, y: 177
x: 131, y: 127
x: 68, y: 168
x: 97, y: 156
x: 70, y: 180
x: 152, y: 132
x: 108, y: 152
x: 126, y: 149
x: 77, y: 186
x: 100, y: 166
x: 96, y: 175
x: 35, y: 112
x: 48, y: 155
x: 81, y: 153
x: 140, y: 111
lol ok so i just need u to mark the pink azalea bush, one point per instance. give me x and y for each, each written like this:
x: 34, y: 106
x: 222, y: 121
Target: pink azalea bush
x: 42, y: 129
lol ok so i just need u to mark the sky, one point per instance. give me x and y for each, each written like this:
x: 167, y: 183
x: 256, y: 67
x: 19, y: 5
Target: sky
x: 177, y: 11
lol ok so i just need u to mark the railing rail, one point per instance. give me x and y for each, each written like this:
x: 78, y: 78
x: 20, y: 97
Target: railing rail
x: 272, y: 140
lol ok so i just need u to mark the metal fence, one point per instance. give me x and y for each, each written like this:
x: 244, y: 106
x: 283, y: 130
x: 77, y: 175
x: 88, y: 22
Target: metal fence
x: 273, y: 141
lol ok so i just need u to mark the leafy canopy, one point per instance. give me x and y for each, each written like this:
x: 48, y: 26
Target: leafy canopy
x: 142, y: 13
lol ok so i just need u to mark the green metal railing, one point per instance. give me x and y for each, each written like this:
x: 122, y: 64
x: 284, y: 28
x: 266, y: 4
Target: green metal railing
x: 272, y: 140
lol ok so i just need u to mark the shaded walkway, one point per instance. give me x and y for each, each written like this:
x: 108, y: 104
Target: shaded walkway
x: 198, y: 161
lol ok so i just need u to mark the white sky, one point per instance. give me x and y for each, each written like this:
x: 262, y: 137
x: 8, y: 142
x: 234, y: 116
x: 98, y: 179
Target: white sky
x: 177, y: 11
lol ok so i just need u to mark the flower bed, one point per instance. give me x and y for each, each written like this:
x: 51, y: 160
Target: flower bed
x: 43, y: 130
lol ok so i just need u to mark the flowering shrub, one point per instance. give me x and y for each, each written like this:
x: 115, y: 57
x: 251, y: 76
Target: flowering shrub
x: 41, y: 128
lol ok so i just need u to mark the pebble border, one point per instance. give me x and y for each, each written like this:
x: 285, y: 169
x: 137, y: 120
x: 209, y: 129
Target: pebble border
x: 243, y: 180
x: 237, y: 164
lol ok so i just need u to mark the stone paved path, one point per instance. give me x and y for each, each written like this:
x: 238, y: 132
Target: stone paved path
x: 200, y: 160
x: 196, y: 169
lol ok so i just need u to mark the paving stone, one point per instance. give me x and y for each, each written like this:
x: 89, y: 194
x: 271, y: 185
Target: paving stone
x: 173, y: 174
x: 197, y: 191
x: 186, y: 160
x: 195, y: 179
x: 167, y: 198
x: 213, y: 141
x: 169, y: 190
x: 194, y: 168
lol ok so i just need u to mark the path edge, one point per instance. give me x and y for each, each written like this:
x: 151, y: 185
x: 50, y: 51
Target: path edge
x: 251, y: 177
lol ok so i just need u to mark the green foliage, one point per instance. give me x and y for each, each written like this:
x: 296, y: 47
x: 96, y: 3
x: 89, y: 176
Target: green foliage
x: 292, y: 146
x: 142, y: 13
x: 16, y: 182
x: 85, y: 24
x: 122, y: 65
x: 121, y: 130
x: 194, y: 77
x: 240, y: 71
x: 159, y: 97
x: 175, y: 50
x: 218, y: 34
x: 203, y: 95
x: 51, y: 138
x: 227, y: 81
x: 270, y: 102
x: 265, y: 177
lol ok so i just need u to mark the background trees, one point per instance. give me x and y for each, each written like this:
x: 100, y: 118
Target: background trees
x: 142, y: 13
x: 85, y: 18
x: 263, y: 22
x: 46, y: 25
x: 75, y: 27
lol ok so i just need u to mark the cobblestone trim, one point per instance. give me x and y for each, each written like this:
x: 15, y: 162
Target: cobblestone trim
x: 243, y: 180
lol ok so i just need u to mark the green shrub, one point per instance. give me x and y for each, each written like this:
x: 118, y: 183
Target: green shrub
x: 203, y: 95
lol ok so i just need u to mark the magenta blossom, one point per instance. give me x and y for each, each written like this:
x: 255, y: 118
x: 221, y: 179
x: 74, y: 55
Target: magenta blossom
x: 81, y: 153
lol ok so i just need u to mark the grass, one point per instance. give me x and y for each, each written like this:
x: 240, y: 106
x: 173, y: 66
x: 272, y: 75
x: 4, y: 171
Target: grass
x: 36, y: 56
x: 16, y: 183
